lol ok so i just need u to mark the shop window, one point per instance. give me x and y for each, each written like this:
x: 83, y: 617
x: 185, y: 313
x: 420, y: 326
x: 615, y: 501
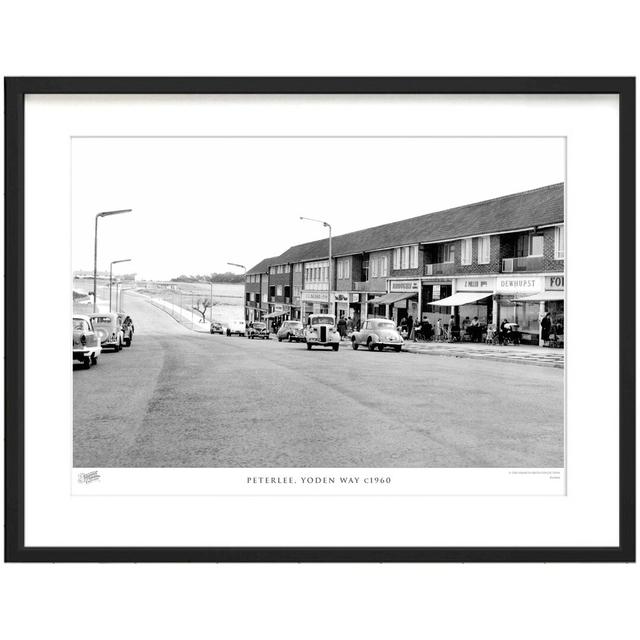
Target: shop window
x: 484, y: 249
x: 466, y: 246
x: 287, y: 291
x: 558, y: 243
x: 279, y: 290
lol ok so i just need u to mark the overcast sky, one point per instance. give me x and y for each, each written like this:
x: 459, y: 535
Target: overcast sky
x: 199, y: 203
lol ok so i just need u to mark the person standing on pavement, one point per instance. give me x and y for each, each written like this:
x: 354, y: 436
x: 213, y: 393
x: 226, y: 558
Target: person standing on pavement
x: 410, y: 327
x: 342, y: 327
x: 545, y: 326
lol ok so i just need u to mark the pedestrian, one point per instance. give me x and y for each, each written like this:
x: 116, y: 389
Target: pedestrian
x: 438, y: 331
x: 474, y: 330
x: 454, y: 330
x: 504, y: 331
x: 410, y: 326
x: 342, y: 327
x: 417, y: 329
x: 349, y: 325
x: 545, y: 328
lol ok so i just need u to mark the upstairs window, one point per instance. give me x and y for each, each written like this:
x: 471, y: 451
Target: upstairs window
x: 466, y: 247
x: 413, y: 257
x: 558, y: 243
x: 537, y: 245
x: 484, y: 250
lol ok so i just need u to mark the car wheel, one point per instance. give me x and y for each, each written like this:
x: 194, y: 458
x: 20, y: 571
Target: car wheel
x: 279, y: 338
x: 370, y: 345
x: 127, y: 342
x: 308, y: 347
x: 94, y: 359
x: 86, y: 363
x: 335, y: 346
x: 398, y: 349
x: 380, y: 347
x: 354, y: 345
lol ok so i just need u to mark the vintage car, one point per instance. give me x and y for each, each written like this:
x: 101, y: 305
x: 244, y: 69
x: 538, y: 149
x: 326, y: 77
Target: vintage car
x: 216, y: 327
x: 258, y: 330
x: 321, y: 331
x: 236, y: 327
x: 291, y: 330
x: 127, y: 328
x: 86, y: 344
x: 377, y: 333
x: 109, y: 329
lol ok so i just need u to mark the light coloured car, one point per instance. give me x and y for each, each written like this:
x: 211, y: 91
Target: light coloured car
x: 291, y: 330
x: 321, y: 331
x: 86, y: 343
x: 377, y: 333
x: 236, y: 327
x: 109, y: 329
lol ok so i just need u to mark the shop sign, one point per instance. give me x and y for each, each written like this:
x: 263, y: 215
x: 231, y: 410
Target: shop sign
x: 355, y: 297
x: 475, y: 284
x: 519, y: 284
x: 554, y: 283
x: 340, y: 296
x: 278, y: 307
x: 403, y: 285
x: 314, y: 296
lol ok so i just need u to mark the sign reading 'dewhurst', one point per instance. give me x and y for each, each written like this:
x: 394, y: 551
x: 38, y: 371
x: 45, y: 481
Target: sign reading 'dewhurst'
x: 403, y: 285
x: 518, y: 284
x: 314, y: 296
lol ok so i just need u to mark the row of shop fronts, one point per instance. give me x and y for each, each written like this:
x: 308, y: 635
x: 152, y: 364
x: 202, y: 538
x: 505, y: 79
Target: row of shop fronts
x: 522, y: 299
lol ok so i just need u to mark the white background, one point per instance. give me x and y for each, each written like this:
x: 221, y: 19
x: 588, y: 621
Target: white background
x: 363, y: 38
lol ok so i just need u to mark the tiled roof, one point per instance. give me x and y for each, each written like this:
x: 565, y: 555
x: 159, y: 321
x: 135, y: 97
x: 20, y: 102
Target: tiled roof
x: 524, y: 210
x: 262, y: 266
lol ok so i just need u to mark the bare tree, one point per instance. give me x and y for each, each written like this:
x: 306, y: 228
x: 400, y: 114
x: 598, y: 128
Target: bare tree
x: 201, y: 307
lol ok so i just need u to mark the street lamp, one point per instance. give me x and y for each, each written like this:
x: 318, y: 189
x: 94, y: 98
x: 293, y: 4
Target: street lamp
x: 324, y: 224
x: 111, y: 276
x: 103, y: 214
x: 241, y: 266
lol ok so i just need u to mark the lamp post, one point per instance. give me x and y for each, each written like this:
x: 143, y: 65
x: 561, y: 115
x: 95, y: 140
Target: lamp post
x: 324, y: 224
x: 102, y: 214
x: 244, y: 269
x: 111, y: 276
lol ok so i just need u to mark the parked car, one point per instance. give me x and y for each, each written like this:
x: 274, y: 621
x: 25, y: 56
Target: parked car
x: 127, y: 328
x: 86, y: 343
x: 236, y: 327
x: 291, y: 330
x: 216, y: 327
x: 321, y: 331
x: 109, y: 330
x: 377, y: 333
x: 258, y: 330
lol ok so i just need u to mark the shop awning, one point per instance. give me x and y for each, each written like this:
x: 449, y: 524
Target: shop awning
x: 461, y: 298
x: 391, y: 298
x: 275, y: 314
x: 544, y: 296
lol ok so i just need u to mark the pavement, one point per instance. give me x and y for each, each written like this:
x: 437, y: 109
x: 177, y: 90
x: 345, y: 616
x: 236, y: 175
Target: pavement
x: 518, y: 354
x: 179, y: 398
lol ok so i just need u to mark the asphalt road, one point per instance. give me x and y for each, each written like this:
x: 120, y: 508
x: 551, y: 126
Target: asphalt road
x: 178, y: 398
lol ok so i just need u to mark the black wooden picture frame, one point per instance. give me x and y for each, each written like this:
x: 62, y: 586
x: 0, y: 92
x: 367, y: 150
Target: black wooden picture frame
x: 15, y: 91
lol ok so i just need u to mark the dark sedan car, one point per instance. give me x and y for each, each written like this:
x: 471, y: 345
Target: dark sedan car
x: 216, y: 327
x: 258, y: 330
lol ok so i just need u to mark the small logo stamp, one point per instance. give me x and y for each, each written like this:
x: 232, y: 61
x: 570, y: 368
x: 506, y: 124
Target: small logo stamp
x: 87, y: 478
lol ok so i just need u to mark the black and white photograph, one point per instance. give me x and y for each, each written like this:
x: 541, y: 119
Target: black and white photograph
x: 318, y: 302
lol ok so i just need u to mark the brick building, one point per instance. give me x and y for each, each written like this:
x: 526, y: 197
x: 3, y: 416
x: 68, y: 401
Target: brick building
x: 496, y: 259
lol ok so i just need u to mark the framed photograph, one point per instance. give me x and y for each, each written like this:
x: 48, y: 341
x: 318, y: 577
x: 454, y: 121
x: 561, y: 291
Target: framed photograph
x: 320, y: 319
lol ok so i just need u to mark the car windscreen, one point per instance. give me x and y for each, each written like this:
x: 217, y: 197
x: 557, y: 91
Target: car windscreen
x: 259, y: 325
x: 322, y: 320
x: 384, y: 325
x: 294, y: 325
x: 102, y: 320
x: 79, y: 325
